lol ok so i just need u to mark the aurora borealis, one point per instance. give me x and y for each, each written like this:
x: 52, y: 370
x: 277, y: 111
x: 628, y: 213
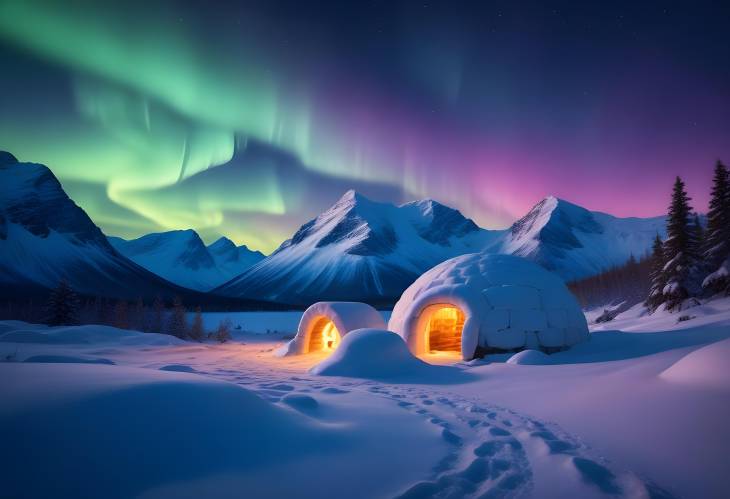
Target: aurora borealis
x: 487, y: 107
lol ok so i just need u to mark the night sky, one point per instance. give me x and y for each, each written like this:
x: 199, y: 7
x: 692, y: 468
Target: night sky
x: 486, y: 107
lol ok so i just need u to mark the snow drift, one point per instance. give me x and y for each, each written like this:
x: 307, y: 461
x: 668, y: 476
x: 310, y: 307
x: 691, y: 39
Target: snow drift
x: 381, y: 354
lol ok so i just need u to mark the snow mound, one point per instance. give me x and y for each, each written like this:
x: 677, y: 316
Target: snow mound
x: 706, y: 367
x: 530, y: 358
x: 68, y: 359
x: 76, y: 335
x: 303, y: 403
x: 371, y: 353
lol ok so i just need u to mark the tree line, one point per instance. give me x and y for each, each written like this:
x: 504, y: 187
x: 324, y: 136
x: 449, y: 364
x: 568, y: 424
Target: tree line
x: 692, y: 262
x: 65, y: 308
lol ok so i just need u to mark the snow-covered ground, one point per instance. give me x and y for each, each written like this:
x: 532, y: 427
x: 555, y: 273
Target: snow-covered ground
x: 640, y: 410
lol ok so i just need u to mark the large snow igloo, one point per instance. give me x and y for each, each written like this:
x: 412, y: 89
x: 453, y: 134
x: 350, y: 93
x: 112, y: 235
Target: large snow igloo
x: 495, y: 302
x: 324, y: 323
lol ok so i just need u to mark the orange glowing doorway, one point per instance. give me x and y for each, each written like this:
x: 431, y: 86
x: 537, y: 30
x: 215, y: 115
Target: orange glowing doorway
x: 443, y: 331
x: 324, y: 336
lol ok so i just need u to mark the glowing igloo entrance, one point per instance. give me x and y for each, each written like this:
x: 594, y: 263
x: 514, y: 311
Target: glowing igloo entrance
x: 324, y: 336
x: 325, y: 323
x: 444, y: 324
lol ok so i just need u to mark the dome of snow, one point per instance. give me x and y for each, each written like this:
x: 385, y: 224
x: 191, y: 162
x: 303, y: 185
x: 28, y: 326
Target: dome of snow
x: 499, y: 302
x: 371, y: 353
x: 529, y: 358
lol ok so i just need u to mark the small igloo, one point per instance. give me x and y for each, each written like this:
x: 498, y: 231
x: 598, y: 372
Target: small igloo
x: 480, y: 302
x: 323, y: 325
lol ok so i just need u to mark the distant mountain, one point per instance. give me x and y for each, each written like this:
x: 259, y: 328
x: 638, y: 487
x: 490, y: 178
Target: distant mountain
x: 46, y: 237
x: 577, y: 243
x: 363, y: 250
x: 357, y: 249
x: 181, y: 257
x: 232, y: 259
x: 360, y: 250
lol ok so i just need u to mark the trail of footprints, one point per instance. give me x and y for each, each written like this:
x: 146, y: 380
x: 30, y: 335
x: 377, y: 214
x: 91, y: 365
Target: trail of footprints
x: 488, y: 459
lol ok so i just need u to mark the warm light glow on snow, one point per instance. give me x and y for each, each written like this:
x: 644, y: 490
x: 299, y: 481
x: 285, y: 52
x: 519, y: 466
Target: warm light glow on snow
x: 330, y: 336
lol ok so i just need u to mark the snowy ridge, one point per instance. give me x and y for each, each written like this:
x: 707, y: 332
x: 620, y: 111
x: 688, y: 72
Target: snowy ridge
x: 577, y: 243
x: 180, y: 256
x: 360, y: 249
x: 45, y: 237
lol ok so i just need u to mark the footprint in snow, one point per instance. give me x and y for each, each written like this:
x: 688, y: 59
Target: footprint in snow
x: 334, y: 391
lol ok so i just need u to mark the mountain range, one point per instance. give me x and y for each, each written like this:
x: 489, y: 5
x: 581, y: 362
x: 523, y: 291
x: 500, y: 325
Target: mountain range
x: 358, y: 249
x: 46, y: 238
x: 181, y: 257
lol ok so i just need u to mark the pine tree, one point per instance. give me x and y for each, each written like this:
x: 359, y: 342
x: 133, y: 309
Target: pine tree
x: 197, y: 332
x: 697, y: 238
x: 656, y: 292
x: 178, y: 323
x: 717, y: 238
x: 678, y: 248
x: 63, y: 306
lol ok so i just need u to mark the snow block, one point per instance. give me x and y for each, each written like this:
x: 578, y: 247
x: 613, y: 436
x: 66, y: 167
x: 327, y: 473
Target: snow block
x: 528, y: 320
x: 495, y: 320
x: 509, y: 297
x: 507, y: 339
x: 552, y: 337
x: 557, y: 317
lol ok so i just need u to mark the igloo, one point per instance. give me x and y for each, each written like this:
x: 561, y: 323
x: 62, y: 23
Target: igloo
x: 494, y: 302
x: 324, y: 323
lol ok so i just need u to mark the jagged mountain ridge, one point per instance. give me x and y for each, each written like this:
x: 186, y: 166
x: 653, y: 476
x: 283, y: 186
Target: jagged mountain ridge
x: 45, y: 238
x: 181, y: 256
x: 360, y: 249
x: 363, y: 250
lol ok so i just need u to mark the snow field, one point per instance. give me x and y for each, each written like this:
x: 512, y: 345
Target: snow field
x: 621, y: 415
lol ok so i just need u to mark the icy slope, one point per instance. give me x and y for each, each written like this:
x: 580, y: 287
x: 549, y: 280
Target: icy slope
x: 46, y: 237
x: 232, y: 259
x: 364, y: 250
x: 180, y: 256
x: 575, y: 242
x: 360, y: 250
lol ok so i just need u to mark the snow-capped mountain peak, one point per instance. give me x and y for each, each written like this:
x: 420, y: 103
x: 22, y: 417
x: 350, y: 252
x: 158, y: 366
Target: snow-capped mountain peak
x: 180, y: 256
x: 32, y: 197
x: 552, y: 221
x: 576, y: 242
x: 233, y: 259
x: 360, y: 247
x: 45, y: 238
x: 223, y: 248
x: 177, y: 248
